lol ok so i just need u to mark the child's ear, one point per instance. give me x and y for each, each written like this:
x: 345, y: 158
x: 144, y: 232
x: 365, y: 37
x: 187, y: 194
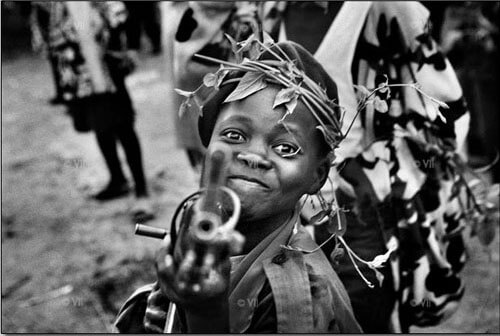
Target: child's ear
x: 320, y: 176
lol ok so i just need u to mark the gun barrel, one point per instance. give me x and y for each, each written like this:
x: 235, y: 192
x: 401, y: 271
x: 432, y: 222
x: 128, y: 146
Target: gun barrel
x: 215, y: 177
x: 150, y: 231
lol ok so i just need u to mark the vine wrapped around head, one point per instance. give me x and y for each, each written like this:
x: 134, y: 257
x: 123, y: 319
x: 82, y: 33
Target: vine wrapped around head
x: 287, y: 65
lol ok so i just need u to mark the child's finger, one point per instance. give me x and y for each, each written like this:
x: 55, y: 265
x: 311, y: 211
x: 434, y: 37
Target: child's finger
x: 236, y: 241
x: 207, y: 264
x: 152, y: 327
x: 165, y: 268
x: 216, y: 280
x: 165, y: 271
x: 187, y: 273
x: 164, y: 249
x: 156, y: 311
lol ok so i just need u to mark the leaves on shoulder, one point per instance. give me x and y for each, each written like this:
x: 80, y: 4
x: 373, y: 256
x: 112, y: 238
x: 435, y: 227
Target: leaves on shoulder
x: 320, y: 218
x: 337, y: 254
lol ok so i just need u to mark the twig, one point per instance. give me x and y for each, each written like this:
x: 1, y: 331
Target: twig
x: 15, y: 286
x: 65, y: 290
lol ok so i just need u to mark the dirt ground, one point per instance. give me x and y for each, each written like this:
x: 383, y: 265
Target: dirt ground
x: 69, y: 262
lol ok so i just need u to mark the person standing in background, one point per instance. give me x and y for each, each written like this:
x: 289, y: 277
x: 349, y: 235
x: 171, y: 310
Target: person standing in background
x: 88, y: 45
x: 469, y: 37
x: 190, y: 28
x: 40, y: 23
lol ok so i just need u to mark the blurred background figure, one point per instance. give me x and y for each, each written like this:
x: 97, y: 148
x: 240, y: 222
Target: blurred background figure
x: 191, y: 28
x: 87, y: 47
x: 469, y: 36
x: 40, y: 25
x: 143, y: 15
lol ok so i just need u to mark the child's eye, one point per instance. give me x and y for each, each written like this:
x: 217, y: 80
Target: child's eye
x: 233, y: 136
x: 287, y: 150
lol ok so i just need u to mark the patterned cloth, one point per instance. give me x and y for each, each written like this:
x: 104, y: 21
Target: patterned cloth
x: 81, y: 37
x: 393, y: 187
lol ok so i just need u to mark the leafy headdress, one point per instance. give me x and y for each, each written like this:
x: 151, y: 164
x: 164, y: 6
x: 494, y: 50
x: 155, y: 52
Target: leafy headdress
x: 286, y: 65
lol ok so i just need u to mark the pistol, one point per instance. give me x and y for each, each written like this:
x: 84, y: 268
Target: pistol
x: 205, y: 212
x: 204, y: 219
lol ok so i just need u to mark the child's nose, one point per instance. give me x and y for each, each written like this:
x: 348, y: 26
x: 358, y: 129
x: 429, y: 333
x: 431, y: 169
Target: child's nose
x: 254, y: 161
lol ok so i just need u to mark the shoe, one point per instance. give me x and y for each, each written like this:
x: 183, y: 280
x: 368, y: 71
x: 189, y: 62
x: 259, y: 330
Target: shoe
x: 112, y: 191
x: 142, y: 211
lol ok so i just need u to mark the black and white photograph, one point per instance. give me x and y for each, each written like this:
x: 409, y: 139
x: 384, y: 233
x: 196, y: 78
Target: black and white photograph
x: 224, y: 167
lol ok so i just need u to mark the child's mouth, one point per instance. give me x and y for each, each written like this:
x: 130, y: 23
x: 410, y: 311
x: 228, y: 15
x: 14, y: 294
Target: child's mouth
x: 246, y: 182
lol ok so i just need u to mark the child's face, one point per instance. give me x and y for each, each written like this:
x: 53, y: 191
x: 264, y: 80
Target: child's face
x: 270, y: 168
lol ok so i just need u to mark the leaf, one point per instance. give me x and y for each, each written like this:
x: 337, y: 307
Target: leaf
x: 268, y: 40
x: 291, y: 105
x: 379, y: 275
x: 284, y: 96
x: 380, y: 105
x: 245, y: 44
x: 210, y: 79
x: 455, y: 190
x: 442, y: 104
x: 251, y: 47
x: 187, y: 94
x: 362, y: 90
x: 274, y: 63
x: 337, y: 254
x: 319, y: 218
x: 215, y: 79
x: 333, y: 225
x: 183, y: 108
x: 329, y: 134
x: 221, y: 74
x: 250, y: 83
x: 383, y: 88
x: 254, y: 51
x: 234, y: 44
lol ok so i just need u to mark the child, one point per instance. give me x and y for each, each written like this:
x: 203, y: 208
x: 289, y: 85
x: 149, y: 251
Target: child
x: 280, y: 126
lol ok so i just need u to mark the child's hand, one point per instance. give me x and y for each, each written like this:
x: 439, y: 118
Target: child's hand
x: 197, y: 286
x: 156, y: 311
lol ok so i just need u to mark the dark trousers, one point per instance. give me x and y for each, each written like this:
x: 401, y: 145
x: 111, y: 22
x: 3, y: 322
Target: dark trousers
x: 127, y: 137
x: 143, y: 14
x: 111, y: 117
